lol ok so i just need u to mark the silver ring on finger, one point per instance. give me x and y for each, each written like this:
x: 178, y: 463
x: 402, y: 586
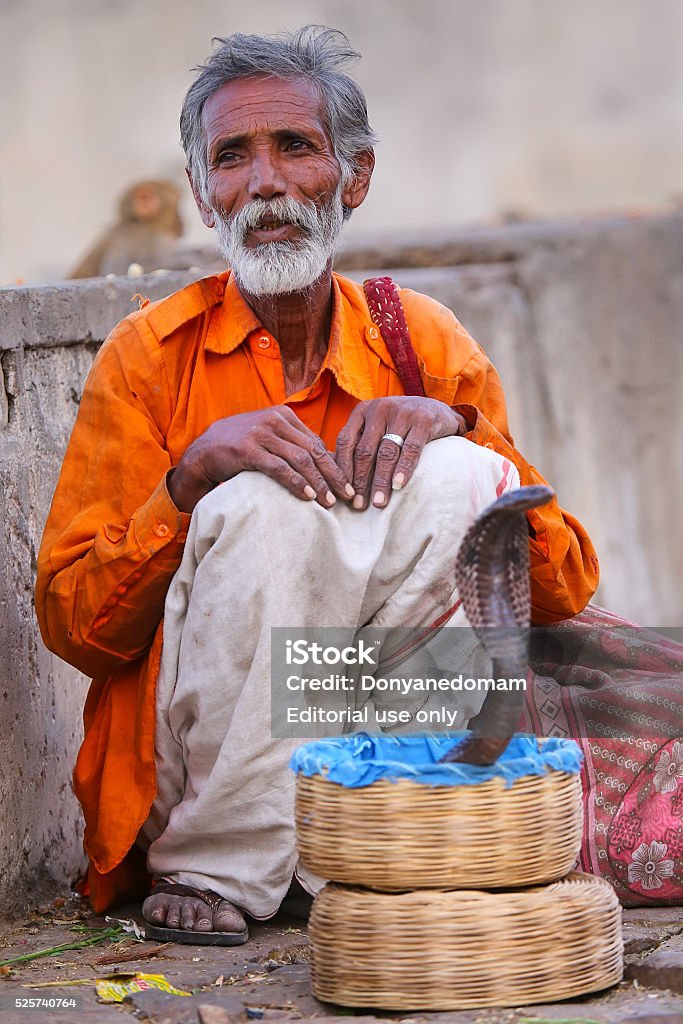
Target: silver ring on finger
x: 396, y: 438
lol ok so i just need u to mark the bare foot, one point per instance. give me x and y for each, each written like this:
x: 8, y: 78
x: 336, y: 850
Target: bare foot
x: 192, y: 914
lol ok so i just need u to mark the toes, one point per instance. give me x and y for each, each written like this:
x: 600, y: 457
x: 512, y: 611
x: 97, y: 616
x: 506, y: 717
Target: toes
x: 188, y: 912
x: 173, y: 914
x: 154, y: 909
x: 191, y: 914
x: 204, y: 921
x: 228, y: 918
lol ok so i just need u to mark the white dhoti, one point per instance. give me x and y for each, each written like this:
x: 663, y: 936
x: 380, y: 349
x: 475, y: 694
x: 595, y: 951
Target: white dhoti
x: 255, y: 558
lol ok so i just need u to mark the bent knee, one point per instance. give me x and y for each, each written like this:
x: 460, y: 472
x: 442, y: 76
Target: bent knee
x: 457, y: 467
x: 248, y: 488
x: 254, y: 499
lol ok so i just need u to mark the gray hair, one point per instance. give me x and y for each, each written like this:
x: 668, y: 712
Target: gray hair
x: 314, y: 53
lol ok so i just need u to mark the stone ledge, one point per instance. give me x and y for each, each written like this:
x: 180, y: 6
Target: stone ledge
x: 489, y: 244
x: 74, y: 312
x: 80, y: 311
x: 484, y: 244
x: 645, y: 929
x: 662, y: 969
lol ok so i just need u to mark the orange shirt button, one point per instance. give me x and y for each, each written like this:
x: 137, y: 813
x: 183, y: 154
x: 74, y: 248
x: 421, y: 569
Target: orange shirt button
x: 373, y: 333
x: 220, y: 290
x: 181, y: 537
x: 264, y: 342
x: 161, y: 530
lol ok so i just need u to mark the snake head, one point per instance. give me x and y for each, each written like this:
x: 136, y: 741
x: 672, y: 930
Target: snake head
x: 492, y: 576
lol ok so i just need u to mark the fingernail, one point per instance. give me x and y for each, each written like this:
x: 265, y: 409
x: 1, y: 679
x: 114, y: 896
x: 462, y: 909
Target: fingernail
x: 398, y: 482
x: 378, y: 499
x: 330, y: 498
x: 309, y: 492
x: 349, y: 490
x: 358, y: 501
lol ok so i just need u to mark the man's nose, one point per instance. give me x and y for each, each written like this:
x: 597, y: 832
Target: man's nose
x: 266, y: 179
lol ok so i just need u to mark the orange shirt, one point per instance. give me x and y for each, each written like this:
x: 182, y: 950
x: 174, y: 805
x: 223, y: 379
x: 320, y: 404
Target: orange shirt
x: 114, y: 538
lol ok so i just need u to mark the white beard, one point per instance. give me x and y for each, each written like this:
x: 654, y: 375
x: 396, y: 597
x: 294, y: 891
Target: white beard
x: 277, y: 268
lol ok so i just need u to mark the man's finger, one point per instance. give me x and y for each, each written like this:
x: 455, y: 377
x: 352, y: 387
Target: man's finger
x: 280, y: 470
x: 364, y: 459
x: 312, y: 468
x: 347, y: 440
x: 335, y: 476
x: 291, y: 425
x: 288, y: 429
x: 413, y: 446
x: 297, y: 434
x: 388, y: 454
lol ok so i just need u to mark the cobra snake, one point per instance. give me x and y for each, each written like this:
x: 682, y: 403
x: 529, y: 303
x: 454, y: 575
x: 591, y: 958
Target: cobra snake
x: 492, y: 576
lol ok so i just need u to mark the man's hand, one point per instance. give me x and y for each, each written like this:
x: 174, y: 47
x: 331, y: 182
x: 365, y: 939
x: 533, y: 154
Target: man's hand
x: 376, y: 465
x: 271, y: 441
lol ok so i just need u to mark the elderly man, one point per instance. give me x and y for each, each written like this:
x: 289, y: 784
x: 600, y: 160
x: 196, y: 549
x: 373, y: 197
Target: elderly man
x: 342, y: 499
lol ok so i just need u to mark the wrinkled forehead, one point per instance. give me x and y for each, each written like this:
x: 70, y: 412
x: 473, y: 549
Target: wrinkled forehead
x: 249, y: 107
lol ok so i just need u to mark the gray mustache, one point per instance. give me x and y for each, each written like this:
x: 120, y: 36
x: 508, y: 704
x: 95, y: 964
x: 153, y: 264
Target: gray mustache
x: 282, y: 209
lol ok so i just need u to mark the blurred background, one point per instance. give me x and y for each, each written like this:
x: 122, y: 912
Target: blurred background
x: 487, y: 110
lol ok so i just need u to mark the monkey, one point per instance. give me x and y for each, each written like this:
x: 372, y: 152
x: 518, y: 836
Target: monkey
x: 149, y: 223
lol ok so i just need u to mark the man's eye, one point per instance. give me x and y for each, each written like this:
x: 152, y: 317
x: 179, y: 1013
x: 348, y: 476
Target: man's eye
x: 227, y: 157
x: 296, y: 145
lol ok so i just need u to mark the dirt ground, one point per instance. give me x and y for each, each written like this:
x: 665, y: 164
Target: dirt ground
x: 269, y: 977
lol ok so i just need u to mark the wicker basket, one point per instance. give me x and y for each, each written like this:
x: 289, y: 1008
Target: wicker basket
x: 465, y: 949
x: 402, y: 835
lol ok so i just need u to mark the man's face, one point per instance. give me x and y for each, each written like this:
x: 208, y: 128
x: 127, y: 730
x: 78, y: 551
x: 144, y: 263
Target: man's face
x: 274, y: 185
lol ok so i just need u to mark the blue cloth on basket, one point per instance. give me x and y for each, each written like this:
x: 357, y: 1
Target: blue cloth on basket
x: 360, y: 759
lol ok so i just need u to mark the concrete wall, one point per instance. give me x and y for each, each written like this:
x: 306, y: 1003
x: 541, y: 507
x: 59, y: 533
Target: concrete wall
x: 48, y: 338
x: 583, y: 323
x: 582, y: 320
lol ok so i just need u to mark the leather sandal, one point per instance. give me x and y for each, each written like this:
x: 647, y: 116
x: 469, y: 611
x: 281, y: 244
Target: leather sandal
x: 190, y: 937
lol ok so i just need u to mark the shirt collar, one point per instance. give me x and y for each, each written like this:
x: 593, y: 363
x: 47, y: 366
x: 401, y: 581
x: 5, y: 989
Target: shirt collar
x: 233, y: 320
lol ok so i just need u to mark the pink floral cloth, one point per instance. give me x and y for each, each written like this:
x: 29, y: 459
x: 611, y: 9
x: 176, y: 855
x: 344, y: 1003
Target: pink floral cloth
x: 617, y: 689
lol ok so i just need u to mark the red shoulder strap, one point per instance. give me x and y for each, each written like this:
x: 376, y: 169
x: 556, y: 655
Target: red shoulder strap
x: 387, y: 313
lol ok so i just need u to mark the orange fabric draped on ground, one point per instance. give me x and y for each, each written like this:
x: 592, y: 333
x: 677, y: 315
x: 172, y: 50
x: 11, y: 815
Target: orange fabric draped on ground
x: 114, y: 538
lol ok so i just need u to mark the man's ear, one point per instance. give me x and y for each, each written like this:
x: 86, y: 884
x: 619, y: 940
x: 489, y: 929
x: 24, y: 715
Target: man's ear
x: 205, y: 212
x: 356, y: 190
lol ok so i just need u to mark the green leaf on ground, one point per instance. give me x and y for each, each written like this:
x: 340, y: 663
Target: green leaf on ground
x: 96, y: 935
